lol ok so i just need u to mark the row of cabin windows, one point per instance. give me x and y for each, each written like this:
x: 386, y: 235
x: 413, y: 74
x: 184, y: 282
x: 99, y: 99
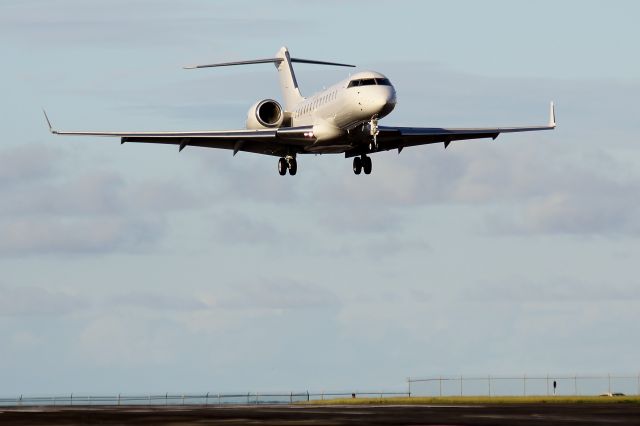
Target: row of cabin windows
x: 369, y: 82
x: 313, y: 105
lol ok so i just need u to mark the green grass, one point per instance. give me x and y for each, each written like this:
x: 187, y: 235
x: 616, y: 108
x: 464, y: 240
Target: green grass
x: 481, y: 400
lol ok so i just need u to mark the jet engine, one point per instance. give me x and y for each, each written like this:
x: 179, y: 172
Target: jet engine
x: 265, y: 114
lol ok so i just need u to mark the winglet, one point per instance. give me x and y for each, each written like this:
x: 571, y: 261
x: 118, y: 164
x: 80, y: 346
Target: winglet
x: 552, y: 115
x: 49, y: 122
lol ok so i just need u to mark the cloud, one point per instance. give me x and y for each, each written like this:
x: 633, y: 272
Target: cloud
x: 38, y: 301
x: 26, y: 163
x: 235, y: 227
x: 96, y: 193
x: 281, y: 294
x: 574, y: 201
x: 558, y: 290
x: 147, y: 23
x: 358, y: 219
x: 45, y: 235
x: 49, y: 209
x: 127, y: 339
x: 157, y: 301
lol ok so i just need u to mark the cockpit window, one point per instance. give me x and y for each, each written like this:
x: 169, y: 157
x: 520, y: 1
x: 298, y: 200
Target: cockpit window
x: 369, y: 82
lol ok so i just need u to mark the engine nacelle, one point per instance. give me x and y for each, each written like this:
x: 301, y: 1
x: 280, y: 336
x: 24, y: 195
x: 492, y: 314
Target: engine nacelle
x: 265, y: 114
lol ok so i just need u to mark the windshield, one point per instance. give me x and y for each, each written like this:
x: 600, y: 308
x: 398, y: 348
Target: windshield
x: 369, y: 82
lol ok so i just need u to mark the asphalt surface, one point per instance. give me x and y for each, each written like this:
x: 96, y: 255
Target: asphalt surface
x: 512, y: 415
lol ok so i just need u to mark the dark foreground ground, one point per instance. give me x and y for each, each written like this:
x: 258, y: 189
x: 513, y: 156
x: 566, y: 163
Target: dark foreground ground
x: 512, y: 414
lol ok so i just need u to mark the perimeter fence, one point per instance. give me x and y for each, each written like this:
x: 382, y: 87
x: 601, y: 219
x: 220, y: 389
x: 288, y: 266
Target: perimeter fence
x: 187, y: 399
x: 526, y: 385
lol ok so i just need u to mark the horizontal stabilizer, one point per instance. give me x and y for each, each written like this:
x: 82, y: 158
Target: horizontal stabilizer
x: 311, y: 61
x: 227, y: 64
x: 266, y: 61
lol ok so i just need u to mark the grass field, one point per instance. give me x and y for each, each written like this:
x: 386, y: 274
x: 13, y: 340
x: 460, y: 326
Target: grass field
x: 483, y: 400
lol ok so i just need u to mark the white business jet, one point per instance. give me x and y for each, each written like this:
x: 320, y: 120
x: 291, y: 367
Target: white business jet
x: 341, y: 119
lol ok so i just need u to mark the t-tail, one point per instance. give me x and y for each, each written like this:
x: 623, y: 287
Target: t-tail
x: 283, y: 62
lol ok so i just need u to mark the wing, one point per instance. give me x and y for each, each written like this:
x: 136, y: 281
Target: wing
x: 278, y: 142
x: 400, y: 137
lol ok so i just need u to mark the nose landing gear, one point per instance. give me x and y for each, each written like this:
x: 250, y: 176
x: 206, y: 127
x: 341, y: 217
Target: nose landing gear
x: 287, y: 163
x: 374, y: 132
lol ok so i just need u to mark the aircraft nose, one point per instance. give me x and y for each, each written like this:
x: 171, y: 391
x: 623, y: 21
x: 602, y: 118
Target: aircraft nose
x: 385, y: 102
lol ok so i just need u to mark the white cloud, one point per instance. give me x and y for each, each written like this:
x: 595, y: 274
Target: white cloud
x: 279, y: 294
x: 26, y: 163
x: 46, y: 235
x: 127, y: 339
x: 49, y: 209
x: 38, y: 301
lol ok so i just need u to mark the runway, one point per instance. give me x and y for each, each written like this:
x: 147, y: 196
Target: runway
x: 505, y: 414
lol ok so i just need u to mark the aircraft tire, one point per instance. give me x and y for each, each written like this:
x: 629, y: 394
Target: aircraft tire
x: 366, y: 165
x: 357, y: 165
x: 282, y: 166
x: 293, y: 167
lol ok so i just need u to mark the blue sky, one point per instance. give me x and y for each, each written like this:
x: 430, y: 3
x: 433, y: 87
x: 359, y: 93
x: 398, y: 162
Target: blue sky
x: 138, y: 269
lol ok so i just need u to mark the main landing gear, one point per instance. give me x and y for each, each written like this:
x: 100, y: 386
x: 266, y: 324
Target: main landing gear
x: 362, y: 163
x: 287, y: 163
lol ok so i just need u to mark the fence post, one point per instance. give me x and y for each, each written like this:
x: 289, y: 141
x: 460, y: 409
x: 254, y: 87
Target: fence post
x: 409, y: 384
x: 489, y: 385
x: 547, y: 384
x: 638, y: 383
x: 440, y: 382
x: 461, y: 385
x: 206, y: 400
x: 20, y: 400
x: 118, y: 399
x: 248, y: 397
x: 219, y: 402
x: 575, y: 384
x: 524, y: 385
x: 609, y: 382
x: 290, y: 397
x: 307, y: 395
x: 70, y: 399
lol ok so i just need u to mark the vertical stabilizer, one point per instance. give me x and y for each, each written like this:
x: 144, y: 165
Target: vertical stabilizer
x: 288, y: 84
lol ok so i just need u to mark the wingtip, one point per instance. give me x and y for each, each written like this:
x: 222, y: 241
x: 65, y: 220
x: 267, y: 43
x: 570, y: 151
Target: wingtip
x: 46, y: 117
x: 552, y: 115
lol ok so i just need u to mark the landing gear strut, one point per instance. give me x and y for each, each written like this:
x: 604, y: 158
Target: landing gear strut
x: 287, y: 163
x: 362, y: 163
x: 374, y: 132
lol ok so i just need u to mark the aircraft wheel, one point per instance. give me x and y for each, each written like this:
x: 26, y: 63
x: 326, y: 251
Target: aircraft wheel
x: 357, y: 165
x: 366, y: 164
x: 293, y: 166
x: 282, y: 166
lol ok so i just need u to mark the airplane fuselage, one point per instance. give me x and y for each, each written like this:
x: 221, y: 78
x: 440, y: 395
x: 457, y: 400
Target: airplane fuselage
x: 343, y: 107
